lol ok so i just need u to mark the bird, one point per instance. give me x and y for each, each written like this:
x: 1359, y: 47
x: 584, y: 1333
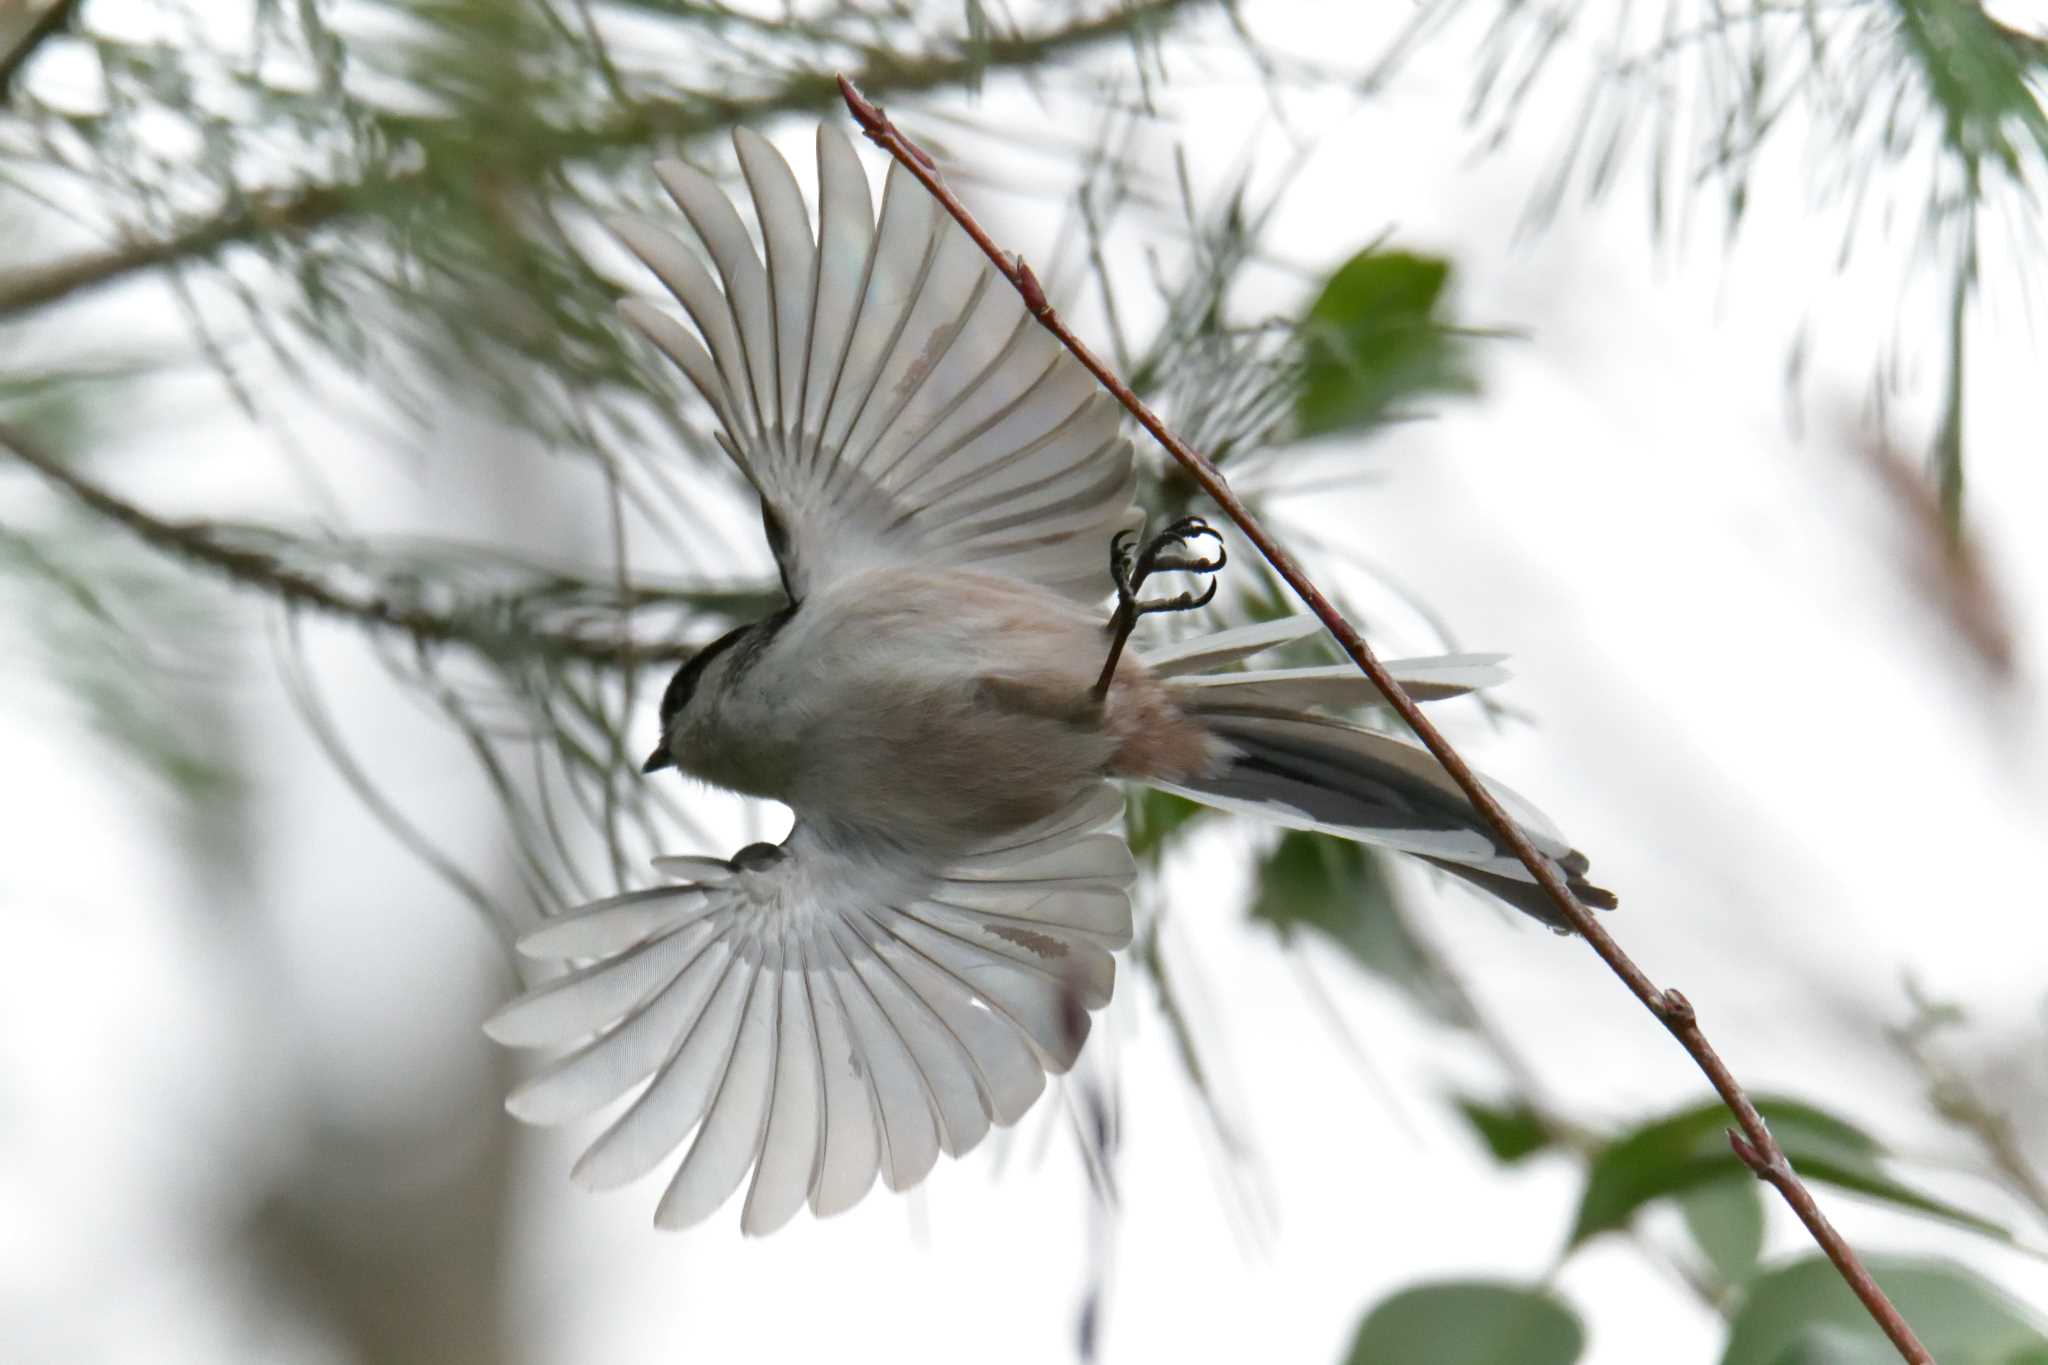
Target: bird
x: 945, y: 710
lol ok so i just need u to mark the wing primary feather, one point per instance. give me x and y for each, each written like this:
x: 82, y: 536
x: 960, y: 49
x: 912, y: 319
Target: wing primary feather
x: 730, y: 1137
x: 846, y: 238
x: 922, y: 369
x: 709, y: 371
x: 592, y: 998
x: 1007, y: 1077
x: 875, y: 333
x: 614, y: 1062
x: 673, y: 1103
x: 948, y: 1074
x: 1115, y: 471
x: 1030, y: 944
x: 609, y: 927
x: 786, y: 235
x: 1102, y: 855
x: 912, y: 1130
x: 787, y: 1165
x: 1031, y: 998
x: 963, y: 393
x: 1075, y: 511
x: 1006, y: 449
x: 975, y: 473
x: 935, y: 458
x: 1229, y: 646
x: 928, y: 326
x: 739, y: 267
x: 1112, y: 934
x: 849, y: 1138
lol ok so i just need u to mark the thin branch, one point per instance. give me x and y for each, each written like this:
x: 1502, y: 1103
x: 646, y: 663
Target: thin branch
x: 263, y: 214
x: 1754, y: 1144
x: 1953, y: 1096
x: 200, y: 544
x: 1997, y: 1133
x: 56, y: 16
x: 292, y: 212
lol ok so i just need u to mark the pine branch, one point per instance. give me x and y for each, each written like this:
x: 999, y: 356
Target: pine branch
x: 264, y: 215
x: 288, y: 213
x: 206, y: 546
x: 55, y: 17
x: 1754, y: 1144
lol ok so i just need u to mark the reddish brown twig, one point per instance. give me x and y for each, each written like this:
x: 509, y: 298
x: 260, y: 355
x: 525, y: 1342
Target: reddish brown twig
x: 1754, y: 1144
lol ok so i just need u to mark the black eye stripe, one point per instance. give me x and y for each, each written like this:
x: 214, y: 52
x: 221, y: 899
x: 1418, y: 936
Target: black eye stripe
x: 683, y: 685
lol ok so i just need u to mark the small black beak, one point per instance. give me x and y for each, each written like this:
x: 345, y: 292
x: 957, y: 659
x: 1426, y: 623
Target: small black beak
x: 659, y: 759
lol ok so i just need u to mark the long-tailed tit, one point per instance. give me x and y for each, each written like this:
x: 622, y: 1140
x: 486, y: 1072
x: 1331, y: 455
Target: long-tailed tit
x: 950, y: 502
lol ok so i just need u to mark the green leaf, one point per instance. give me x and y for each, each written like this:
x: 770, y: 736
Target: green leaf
x: 1472, y: 1322
x: 1827, y: 1345
x: 1981, y: 75
x: 1373, y: 340
x: 1689, y: 1149
x: 1153, y: 820
x: 1340, y: 890
x: 1510, y: 1133
x: 1726, y: 1220
x: 1803, y: 1314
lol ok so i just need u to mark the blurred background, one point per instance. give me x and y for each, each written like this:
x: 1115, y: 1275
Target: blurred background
x: 1688, y: 352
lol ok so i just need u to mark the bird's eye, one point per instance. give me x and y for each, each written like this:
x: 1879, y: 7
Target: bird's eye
x: 677, y: 692
x: 683, y: 685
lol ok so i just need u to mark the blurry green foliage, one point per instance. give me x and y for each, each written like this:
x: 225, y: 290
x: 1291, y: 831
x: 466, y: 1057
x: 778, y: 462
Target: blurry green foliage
x: 1155, y: 820
x: 1802, y: 1314
x: 1340, y: 891
x: 1726, y: 1220
x: 1985, y: 79
x: 1472, y: 1322
x: 1689, y: 1149
x: 150, y: 662
x: 1376, y: 339
x: 1512, y: 1132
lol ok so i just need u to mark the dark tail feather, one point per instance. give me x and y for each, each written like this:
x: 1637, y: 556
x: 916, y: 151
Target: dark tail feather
x: 1315, y: 772
x: 1530, y: 898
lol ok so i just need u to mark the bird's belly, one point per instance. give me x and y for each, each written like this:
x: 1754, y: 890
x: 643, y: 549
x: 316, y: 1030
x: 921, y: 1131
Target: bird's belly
x: 932, y: 711
x: 950, y: 764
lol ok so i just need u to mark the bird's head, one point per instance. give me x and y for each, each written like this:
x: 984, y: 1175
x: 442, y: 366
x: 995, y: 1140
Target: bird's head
x: 676, y: 699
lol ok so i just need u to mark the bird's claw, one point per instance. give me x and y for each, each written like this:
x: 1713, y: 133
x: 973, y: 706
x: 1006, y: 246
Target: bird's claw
x: 1130, y: 564
x: 1171, y: 551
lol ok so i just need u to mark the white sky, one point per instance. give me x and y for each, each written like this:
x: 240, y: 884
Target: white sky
x: 1741, y: 709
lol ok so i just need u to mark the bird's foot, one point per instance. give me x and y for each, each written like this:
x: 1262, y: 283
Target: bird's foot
x: 1173, y: 550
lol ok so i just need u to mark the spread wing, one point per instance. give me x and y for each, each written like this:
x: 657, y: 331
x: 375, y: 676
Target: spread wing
x: 882, y: 388
x: 821, y: 1019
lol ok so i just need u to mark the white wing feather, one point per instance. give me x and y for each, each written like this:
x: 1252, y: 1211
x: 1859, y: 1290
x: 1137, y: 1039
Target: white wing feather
x: 882, y: 388
x: 1337, y: 685
x: 823, y: 1020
